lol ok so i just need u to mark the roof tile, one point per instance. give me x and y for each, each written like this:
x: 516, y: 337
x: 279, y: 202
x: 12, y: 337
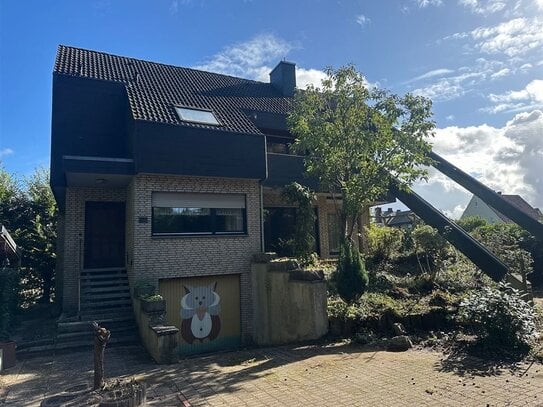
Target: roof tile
x: 154, y: 89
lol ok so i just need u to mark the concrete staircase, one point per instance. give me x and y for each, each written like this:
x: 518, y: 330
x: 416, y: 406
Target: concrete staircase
x: 105, y: 298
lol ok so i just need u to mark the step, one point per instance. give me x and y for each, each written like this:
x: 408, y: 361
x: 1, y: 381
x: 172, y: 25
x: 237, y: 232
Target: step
x: 100, y: 315
x: 36, y: 343
x: 89, y: 335
x: 99, y: 290
x: 78, y: 344
x: 113, y: 295
x: 103, y: 272
x: 64, y: 327
x: 113, y: 303
x: 103, y: 279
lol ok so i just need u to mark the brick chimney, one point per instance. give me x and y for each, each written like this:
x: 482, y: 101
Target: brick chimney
x: 283, y: 78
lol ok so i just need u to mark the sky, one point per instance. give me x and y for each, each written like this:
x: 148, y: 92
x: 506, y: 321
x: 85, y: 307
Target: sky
x: 480, y: 61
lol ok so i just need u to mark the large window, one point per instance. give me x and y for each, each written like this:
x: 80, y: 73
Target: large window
x: 198, y: 214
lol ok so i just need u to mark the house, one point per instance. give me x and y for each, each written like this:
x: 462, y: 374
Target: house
x: 477, y: 207
x: 396, y: 219
x: 163, y: 175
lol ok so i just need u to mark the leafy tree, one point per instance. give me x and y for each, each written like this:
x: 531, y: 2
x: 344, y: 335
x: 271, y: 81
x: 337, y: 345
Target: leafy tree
x: 356, y: 138
x: 303, y: 239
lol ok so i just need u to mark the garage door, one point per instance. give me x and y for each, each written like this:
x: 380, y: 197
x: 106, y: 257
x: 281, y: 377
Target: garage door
x: 206, y: 310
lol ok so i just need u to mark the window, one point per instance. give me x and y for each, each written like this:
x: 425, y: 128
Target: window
x: 198, y: 214
x: 188, y: 114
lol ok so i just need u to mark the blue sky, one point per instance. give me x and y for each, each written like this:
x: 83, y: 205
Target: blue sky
x: 481, y: 61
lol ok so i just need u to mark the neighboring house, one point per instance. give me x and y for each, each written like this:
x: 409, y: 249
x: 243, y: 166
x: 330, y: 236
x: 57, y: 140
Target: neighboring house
x: 163, y: 174
x: 396, y: 219
x: 476, y: 207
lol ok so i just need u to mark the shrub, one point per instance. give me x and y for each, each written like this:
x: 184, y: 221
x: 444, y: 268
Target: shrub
x: 471, y: 223
x: 383, y: 241
x: 9, y: 290
x: 499, y: 317
x: 339, y: 309
x: 351, y: 278
x: 509, y: 243
x: 432, y: 246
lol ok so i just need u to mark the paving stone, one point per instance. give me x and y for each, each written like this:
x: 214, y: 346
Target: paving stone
x: 339, y: 375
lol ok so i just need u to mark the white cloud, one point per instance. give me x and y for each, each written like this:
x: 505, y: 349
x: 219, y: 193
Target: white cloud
x: 362, y: 20
x: 431, y: 74
x: 484, y: 7
x: 255, y: 59
x: 501, y: 73
x: 306, y: 77
x: 517, y: 100
x: 515, y: 37
x: 426, y: 3
x: 451, y: 87
x: 249, y: 59
x: 506, y: 159
x: 4, y: 152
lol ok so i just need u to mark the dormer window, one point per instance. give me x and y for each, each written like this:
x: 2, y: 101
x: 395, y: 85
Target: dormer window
x: 189, y: 114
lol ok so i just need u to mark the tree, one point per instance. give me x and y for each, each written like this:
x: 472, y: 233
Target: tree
x: 41, y: 233
x: 356, y: 139
x: 29, y: 211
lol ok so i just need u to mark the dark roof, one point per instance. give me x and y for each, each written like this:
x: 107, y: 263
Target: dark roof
x: 154, y: 89
x: 521, y: 204
x: 398, y: 218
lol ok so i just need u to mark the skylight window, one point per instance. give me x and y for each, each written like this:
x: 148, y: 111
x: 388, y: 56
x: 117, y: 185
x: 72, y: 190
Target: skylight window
x: 188, y: 114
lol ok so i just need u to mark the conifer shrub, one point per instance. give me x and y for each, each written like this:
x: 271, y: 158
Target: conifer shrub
x: 351, y: 277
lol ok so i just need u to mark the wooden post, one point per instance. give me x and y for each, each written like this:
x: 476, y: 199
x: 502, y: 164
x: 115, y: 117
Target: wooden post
x: 101, y: 338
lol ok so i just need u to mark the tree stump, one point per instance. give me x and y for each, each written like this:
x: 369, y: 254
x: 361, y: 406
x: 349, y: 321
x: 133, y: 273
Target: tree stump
x: 101, y: 338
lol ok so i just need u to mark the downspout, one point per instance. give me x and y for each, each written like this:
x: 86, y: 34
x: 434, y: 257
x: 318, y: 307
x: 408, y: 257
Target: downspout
x: 261, y: 196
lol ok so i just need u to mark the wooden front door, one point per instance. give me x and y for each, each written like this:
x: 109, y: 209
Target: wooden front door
x: 104, y: 234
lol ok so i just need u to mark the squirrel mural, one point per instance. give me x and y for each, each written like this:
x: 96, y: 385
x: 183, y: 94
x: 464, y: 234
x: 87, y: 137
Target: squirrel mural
x: 200, y: 307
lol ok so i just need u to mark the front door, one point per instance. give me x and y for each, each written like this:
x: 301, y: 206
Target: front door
x: 104, y: 234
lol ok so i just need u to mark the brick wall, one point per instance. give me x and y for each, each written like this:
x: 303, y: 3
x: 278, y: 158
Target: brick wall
x: 153, y: 257
x: 74, y: 234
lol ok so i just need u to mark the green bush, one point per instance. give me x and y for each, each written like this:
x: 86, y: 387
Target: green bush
x: 471, y: 223
x: 9, y: 295
x: 509, y: 243
x: 499, y: 316
x: 383, y: 241
x: 351, y: 278
x: 339, y: 309
x: 431, y: 247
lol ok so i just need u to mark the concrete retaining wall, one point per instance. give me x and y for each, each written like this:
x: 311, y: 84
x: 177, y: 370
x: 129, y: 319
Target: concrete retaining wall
x: 289, y: 305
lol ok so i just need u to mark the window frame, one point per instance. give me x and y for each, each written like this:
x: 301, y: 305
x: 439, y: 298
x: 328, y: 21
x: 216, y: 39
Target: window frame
x: 198, y: 109
x: 213, y: 215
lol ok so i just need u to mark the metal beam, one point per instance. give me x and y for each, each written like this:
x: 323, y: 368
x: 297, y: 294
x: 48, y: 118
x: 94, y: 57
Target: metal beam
x: 490, y: 197
x: 457, y: 236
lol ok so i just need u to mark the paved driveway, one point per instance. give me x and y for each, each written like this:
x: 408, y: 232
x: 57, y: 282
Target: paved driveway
x: 337, y: 375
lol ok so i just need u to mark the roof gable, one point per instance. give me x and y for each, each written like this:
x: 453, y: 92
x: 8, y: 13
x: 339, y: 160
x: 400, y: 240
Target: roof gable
x: 155, y: 89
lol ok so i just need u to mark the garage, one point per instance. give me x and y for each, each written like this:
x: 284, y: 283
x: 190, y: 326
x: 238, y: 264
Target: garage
x: 206, y: 310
